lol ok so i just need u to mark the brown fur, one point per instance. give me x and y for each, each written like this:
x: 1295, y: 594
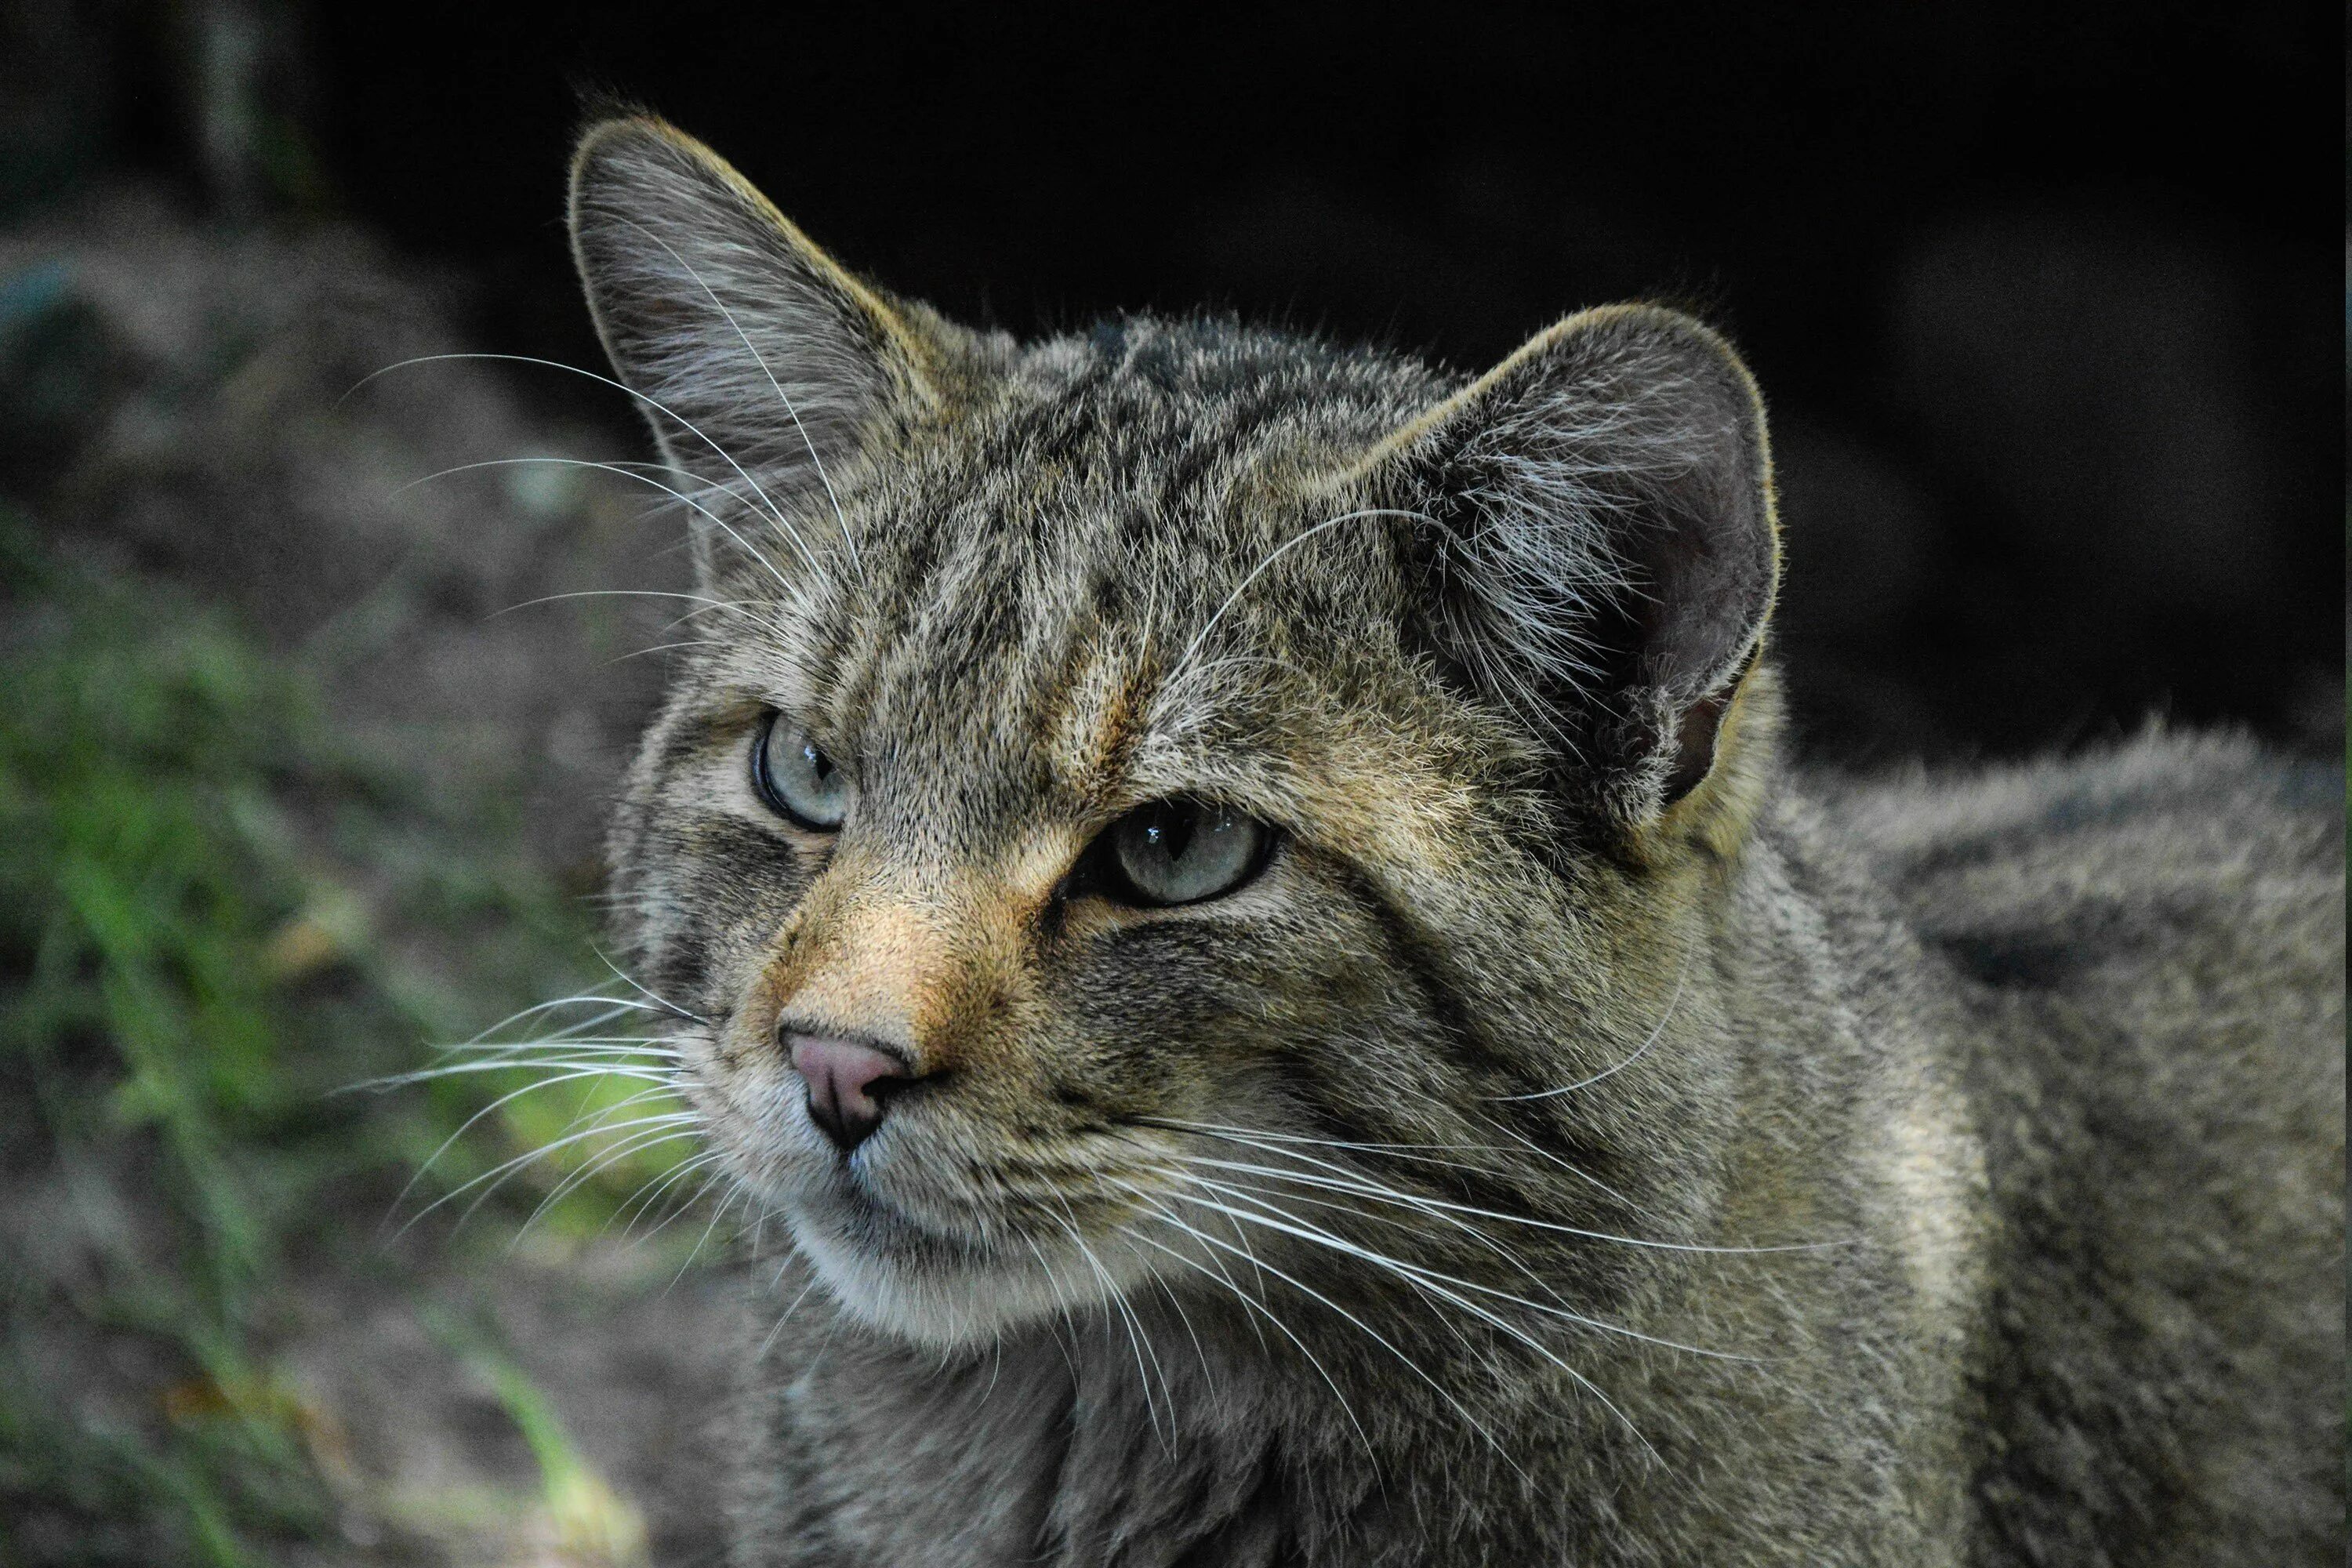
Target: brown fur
x: 1952, y: 1171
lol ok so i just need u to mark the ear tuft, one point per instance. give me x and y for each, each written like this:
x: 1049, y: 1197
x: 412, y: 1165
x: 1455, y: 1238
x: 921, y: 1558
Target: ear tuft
x: 1600, y: 542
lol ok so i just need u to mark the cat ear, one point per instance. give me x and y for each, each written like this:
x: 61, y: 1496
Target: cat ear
x: 1597, y: 524
x: 762, y: 366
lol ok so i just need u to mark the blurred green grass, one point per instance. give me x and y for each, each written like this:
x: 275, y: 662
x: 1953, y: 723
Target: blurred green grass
x: 215, y: 917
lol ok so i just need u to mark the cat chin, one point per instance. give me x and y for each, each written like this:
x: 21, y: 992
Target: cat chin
x: 948, y: 1303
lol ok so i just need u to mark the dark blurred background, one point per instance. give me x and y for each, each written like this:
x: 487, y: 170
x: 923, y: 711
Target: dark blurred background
x: 2046, y: 298
x: 311, y: 699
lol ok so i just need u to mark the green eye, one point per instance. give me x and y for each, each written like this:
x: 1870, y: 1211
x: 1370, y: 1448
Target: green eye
x: 794, y: 779
x: 1179, y: 852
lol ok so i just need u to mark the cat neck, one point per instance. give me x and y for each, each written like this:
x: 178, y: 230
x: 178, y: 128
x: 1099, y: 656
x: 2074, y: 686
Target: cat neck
x: 1102, y: 1437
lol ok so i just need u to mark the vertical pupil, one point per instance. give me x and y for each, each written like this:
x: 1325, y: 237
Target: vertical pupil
x: 1169, y: 831
x: 817, y: 767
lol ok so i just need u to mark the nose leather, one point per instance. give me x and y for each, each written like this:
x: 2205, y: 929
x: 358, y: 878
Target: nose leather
x: 844, y: 1082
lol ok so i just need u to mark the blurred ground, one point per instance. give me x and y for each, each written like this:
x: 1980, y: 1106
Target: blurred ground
x: 289, y: 787
x: 304, y: 753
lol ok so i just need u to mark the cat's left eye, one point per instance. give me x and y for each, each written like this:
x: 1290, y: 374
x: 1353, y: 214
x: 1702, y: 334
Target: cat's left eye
x: 1178, y: 852
x: 796, y: 780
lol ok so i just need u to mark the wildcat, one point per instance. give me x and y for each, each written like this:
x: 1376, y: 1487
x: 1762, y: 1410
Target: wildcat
x: 1238, y: 904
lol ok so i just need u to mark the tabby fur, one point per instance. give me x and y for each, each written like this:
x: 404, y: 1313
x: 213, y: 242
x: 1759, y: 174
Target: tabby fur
x: 1588, y: 1141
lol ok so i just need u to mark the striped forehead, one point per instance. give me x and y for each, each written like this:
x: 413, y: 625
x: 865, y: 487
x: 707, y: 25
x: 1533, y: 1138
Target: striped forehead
x: 1024, y: 581
x: 991, y: 679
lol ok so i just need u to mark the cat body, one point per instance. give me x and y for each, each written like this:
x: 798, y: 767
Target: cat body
x: 1236, y: 903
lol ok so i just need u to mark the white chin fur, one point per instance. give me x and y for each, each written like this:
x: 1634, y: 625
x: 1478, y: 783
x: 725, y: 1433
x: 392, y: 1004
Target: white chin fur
x: 946, y: 1308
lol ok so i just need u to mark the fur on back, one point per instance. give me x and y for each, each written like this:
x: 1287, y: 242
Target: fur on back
x: 2149, y: 944
x: 1576, y: 1140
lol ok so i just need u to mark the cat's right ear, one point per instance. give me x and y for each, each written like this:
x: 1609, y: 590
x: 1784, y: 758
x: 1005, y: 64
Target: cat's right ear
x: 1595, y: 523
x: 762, y: 364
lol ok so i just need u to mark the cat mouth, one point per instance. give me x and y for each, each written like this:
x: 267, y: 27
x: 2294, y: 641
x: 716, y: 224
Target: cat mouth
x: 852, y: 1206
x: 906, y: 1279
x: 954, y: 1279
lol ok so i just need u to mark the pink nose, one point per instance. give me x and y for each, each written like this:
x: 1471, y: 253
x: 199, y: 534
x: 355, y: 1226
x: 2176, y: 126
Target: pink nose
x: 844, y: 1084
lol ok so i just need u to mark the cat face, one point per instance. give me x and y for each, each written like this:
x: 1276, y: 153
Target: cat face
x: 1173, y: 803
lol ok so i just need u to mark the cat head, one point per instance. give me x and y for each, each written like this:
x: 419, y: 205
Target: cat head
x: 1130, y: 785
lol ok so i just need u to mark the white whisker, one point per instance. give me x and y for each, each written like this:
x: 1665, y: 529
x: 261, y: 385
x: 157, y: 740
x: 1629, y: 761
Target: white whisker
x: 1349, y: 1179
x: 468, y: 1125
x: 617, y: 471
x: 1562, y: 1312
x: 847, y: 537
x: 761, y: 1354
x: 1656, y: 1032
x: 1276, y: 553
x: 497, y: 1174
x: 734, y: 1195
x: 1291, y: 1225
x: 1379, y: 1339
x: 651, y: 403
x: 1137, y: 1338
x: 602, y: 1160
x: 669, y: 1006
x: 1258, y: 1308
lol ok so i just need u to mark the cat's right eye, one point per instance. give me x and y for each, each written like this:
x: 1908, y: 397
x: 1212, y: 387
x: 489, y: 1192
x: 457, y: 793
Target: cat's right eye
x: 796, y: 780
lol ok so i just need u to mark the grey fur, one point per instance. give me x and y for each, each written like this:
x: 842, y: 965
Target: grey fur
x: 1585, y: 1142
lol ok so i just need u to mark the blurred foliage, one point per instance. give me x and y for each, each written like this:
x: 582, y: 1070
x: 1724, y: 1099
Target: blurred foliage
x: 588, y: 1520
x: 214, y: 919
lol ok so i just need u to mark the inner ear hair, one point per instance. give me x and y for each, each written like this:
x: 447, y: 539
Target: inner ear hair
x: 762, y: 364
x: 1601, y: 547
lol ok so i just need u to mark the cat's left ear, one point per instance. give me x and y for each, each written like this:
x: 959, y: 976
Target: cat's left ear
x: 1595, y: 521
x: 762, y: 364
